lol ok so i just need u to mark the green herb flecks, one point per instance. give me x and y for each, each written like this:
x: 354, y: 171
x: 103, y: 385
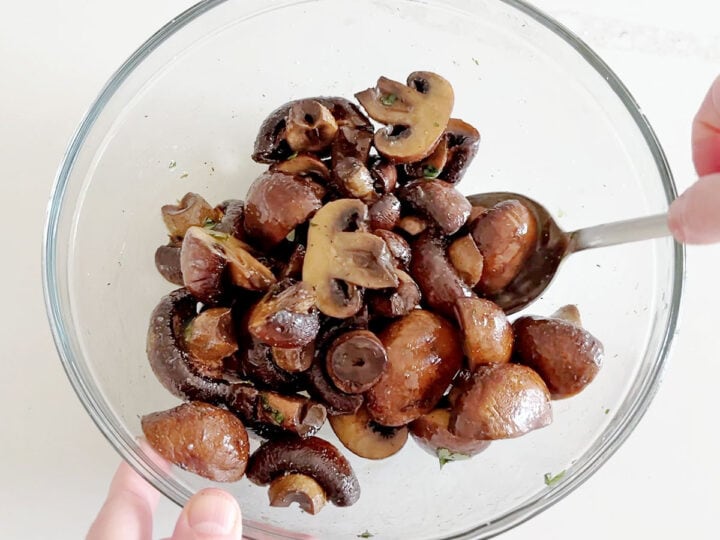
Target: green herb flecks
x: 276, y: 415
x: 477, y: 63
x: 552, y: 481
x: 430, y: 172
x: 209, y: 223
x: 365, y: 534
x: 607, y: 411
x: 184, y: 175
x: 293, y: 155
x: 187, y: 333
x: 388, y: 100
x: 172, y: 164
x: 446, y: 456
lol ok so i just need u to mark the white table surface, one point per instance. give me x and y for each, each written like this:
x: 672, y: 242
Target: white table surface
x: 54, y: 57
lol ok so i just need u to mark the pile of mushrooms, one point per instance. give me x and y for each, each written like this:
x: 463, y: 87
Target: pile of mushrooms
x: 349, y: 286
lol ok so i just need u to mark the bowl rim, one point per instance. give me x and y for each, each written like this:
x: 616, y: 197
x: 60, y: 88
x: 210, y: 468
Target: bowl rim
x: 612, y: 440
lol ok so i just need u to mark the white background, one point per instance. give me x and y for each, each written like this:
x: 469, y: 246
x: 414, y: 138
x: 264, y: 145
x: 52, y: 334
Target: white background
x: 54, y: 57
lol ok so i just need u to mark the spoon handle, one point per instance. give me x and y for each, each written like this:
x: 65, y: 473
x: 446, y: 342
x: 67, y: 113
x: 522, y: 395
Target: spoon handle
x: 620, y: 232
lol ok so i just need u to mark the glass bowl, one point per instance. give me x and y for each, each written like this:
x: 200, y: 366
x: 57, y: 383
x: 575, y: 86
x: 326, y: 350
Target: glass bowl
x: 181, y: 115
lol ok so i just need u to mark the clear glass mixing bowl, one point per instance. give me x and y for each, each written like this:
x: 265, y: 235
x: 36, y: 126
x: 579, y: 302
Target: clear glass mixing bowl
x: 557, y: 125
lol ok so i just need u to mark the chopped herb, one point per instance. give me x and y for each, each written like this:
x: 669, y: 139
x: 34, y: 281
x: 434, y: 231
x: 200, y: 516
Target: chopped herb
x: 187, y: 333
x: 366, y: 534
x: 476, y: 61
x: 293, y: 155
x: 217, y: 234
x: 276, y: 415
x: 312, y: 224
x: 388, y: 100
x: 184, y: 175
x: 290, y: 236
x: 607, y: 411
x: 446, y: 456
x: 209, y: 223
x: 552, y: 481
x: 172, y: 164
x: 430, y: 172
x: 436, y: 124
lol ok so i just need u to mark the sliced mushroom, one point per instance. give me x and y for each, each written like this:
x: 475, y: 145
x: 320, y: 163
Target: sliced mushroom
x: 355, y: 361
x: 352, y: 142
x: 209, y: 338
x: 439, y: 283
x: 439, y: 201
x: 297, y: 414
x: 277, y: 203
x: 336, y: 255
x: 309, y: 126
x: 431, y: 431
x: 398, y: 302
x: 192, y: 210
x: 412, y: 225
x: 353, y: 179
x: 466, y: 259
x: 487, y: 334
x: 430, y: 167
x: 506, y: 236
x: 208, y: 259
x: 385, y: 174
x: 416, y: 114
x: 167, y: 262
x: 566, y: 356
x: 501, y: 401
x: 463, y: 141
x: 312, y: 457
x: 398, y: 247
x: 366, y: 438
x: 303, y: 165
x: 286, y: 316
x: 424, y: 354
x: 385, y: 213
x: 233, y: 218
x: 294, y: 360
x: 200, y: 438
x: 297, y: 488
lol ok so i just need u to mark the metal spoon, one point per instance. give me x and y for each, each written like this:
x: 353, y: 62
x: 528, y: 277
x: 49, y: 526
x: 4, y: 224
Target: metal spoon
x: 554, y: 245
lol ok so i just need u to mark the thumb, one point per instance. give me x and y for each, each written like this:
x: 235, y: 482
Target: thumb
x: 211, y: 514
x: 694, y: 217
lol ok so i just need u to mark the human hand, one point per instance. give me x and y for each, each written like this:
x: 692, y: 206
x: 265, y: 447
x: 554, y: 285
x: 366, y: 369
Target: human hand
x: 694, y: 217
x: 127, y: 514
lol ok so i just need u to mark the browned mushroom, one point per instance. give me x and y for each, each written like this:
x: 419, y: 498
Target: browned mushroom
x: 501, y: 401
x: 439, y: 283
x: 385, y: 213
x: 385, y: 174
x: 277, y: 203
x: 439, y: 201
x: 463, y: 141
x: 294, y: 360
x: 312, y: 457
x: 208, y: 259
x: 366, y: 438
x: 209, y: 338
x: 167, y: 262
x: 293, y: 267
x: 352, y: 142
x: 466, y: 259
x: 200, y: 438
x: 431, y: 431
x: 569, y: 313
x: 286, y: 316
x: 416, y: 113
x: 398, y: 302
x: 309, y: 126
x: 487, y: 334
x: 256, y: 363
x: 355, y: 361
x: 398, y: 247
x: 424, y: 354
x: 337, y: 256
x: 233, y: 218
x: 192, y: 210
x: 297, y: 488
x: 412, y: 225
x: 353, y: 179
x: 321, y: 388
x: 506, y: 236
x: 295, y: 413
x: 566, y: 356
x: 430, y: 167
x: 303, y: 165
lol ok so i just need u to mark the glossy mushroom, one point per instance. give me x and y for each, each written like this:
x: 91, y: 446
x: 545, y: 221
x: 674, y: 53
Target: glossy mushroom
x: 210, y: 338
x: 462, y: 142
x: 355, y: 361
x: 397, y: 246
x: 487, y: 334
x: 437, y: 200
x: 232, y: 219
x: 167, y: 262
x: 297, y: 488
x: 309, y: 126
x: 397, y: 302
x: 467, y: 260
x: 385, y: 213
x: 432, y: 433
x: 365, y: 437
x: 192, y: 210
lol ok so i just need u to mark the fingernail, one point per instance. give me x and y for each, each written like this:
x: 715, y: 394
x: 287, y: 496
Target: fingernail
x: 676, y: 218
x: 212, y: 512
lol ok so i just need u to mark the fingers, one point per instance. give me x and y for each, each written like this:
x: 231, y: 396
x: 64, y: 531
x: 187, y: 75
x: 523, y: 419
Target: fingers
x: 694, y: 217
x: 706, y: 133
x: 211, y: 514
x: 127, y: 512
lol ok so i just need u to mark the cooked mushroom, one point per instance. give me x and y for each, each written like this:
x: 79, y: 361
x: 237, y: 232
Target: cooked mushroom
x: 297, y: 488
x: 430, y: 167
x: 463, y: 141
x: 506, y: 236
x: 355, y: 361
x: 385, y: 213
x: 209, y: 258
x: 566, y: 356
x: 416, y: 114
x: 353, y: 179
x: 200, y: 438
x: 286, y: 316
x: 424, y: 354
x: 335, y: 256
x: 412, y: 225
x: 270, y: 144
x: 294, y: 264
x: 167, y: 262
x: 256, y: 364
x: 303, y: 165
x: 312, y: 457
x: 431, y: 431
x: 439, y: 201
x: 233, y: 218
x: 487, y: 334
x: 398, y: 247
x: 294, y: 360
x: 501, y: 401
x: 321, y: 388
x: 366, y: 438
x: 192, y: 210
x: 352, y: 142
x: 398, y: 302
x: 569, y: 313
x: 292, y: 413
x: 439, y: 283
x: 277, y: 203
x: 466, y: 259
x: 209, y: 338
x: 309, y: 126
x: 385, y: 174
